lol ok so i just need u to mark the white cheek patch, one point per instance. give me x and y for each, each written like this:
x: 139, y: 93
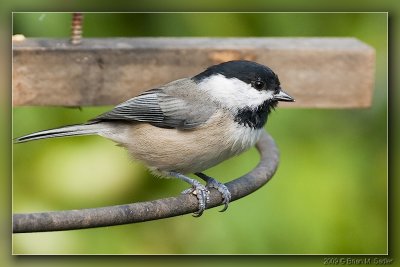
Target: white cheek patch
x: 233, y: 93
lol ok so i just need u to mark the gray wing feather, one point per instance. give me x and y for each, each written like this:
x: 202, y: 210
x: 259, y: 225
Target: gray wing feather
x: 168, y: 107
x: 141, y: 108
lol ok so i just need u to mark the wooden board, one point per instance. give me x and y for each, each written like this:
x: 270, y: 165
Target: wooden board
x: 318, y: 72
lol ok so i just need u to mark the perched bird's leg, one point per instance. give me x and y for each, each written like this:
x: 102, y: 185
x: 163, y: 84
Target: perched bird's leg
x: 212, y: 183
x: 201, y: 192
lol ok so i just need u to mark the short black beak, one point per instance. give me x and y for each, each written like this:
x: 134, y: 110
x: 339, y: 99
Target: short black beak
x: 283, y: 96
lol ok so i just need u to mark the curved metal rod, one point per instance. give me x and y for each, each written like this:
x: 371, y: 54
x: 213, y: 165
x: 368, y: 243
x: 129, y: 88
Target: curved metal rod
x: 151, y: 210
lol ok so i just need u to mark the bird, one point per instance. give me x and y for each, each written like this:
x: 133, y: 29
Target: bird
x: 191, y: 124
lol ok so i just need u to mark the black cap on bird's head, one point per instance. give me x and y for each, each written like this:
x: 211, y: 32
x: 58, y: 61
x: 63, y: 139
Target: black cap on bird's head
x: 259, y: 76
x: 250, y: 89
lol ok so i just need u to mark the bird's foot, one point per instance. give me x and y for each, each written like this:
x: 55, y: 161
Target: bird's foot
x: 202, y: 194
x: 226, y: 195
x: 212, y: 183
x: 197, y: 189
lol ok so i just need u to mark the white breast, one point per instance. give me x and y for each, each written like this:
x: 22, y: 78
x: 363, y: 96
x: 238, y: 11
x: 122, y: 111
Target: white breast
x: 243, y: 138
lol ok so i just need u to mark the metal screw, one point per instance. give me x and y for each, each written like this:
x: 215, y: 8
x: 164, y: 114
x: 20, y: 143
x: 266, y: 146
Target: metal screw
x: 76, y: 26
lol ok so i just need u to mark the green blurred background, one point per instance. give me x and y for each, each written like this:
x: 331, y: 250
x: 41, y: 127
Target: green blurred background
x: 329, y: 195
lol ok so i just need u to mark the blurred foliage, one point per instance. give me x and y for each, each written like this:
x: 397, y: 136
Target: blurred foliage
x: 329, y: 195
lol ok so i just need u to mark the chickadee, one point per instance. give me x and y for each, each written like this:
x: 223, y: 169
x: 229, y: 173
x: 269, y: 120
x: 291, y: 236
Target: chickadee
x: 190, y: 124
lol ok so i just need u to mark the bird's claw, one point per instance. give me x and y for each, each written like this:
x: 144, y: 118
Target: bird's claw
x: 226, y: 195
x: 202, y: 194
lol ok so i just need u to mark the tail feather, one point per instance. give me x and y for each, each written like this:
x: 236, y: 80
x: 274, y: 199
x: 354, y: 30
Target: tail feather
x: 73, y: 130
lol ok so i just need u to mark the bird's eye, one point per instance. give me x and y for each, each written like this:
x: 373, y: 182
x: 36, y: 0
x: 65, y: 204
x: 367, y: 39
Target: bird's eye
x: 258, y: 84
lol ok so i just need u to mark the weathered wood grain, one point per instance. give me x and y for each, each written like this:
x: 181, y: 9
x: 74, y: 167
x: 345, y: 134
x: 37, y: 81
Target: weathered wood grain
x: 318, y: 72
